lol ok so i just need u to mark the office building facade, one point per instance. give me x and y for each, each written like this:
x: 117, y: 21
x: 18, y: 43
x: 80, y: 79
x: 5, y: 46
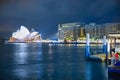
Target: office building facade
x: 70, y: 31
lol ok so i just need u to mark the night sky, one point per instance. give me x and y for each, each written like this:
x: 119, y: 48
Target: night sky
x: 45, y: 15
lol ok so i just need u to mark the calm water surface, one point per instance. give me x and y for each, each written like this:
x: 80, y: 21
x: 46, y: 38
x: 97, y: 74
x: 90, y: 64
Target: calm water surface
x: 41, y: 61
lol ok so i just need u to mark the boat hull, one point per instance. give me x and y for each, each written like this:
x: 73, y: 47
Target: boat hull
x: 114, y: 70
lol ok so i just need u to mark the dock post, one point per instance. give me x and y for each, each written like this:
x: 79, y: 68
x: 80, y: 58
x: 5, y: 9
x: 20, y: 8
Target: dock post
x: 106, y: 48
x: 104, y: 45
x: 107, y: 52
x: 87, y: 52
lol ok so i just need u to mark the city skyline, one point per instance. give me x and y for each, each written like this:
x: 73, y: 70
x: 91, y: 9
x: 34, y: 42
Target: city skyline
x: 77, y: 31
x: 45, y: 16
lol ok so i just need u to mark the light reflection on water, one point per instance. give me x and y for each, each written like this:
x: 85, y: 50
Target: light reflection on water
x: 48, y: 62
x: 21, y: 53
x: 25, y: 66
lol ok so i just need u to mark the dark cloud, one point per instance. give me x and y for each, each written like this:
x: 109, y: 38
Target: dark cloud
x: 45, y: 15
x: 100, y: 8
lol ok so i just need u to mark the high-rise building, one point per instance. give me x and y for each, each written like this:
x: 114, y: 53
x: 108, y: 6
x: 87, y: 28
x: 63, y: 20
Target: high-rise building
x: 91, y: 28
x: 70, y: 31
x: 100, y: 30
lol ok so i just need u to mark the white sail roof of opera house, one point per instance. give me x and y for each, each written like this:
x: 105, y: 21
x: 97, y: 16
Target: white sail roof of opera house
x: 24, y: 35
x: 21, y: 33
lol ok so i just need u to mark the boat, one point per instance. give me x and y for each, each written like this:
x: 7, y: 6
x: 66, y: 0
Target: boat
x: 114, y: 67
x: 114, y: 71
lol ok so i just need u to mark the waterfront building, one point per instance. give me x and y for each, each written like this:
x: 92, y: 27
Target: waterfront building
x: 112, y: 28
x: 91, y: 28
x: 70, y: 31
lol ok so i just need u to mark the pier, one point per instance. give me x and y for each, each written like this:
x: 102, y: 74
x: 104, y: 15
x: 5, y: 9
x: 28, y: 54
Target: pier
x: 99, y: 57
x: 103, y: 57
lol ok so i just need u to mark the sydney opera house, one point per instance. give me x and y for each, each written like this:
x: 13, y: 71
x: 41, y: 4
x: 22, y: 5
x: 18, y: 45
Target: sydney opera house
x: 24, y: 35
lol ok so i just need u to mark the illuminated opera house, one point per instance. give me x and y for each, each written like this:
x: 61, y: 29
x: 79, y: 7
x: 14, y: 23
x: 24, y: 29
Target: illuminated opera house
x: 24, y: 35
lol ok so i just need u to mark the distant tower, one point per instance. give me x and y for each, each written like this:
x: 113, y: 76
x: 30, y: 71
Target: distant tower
x: 59, y: 32
x: 32, y: 30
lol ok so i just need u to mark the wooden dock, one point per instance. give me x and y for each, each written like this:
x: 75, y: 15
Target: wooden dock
x: 99, y: 57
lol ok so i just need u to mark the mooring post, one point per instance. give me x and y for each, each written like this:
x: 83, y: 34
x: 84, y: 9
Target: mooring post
x: 87, y: 53
x: 108, y: 51
x: 104, y: 45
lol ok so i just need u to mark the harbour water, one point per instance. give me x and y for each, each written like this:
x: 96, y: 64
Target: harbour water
x: 43, y: 61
